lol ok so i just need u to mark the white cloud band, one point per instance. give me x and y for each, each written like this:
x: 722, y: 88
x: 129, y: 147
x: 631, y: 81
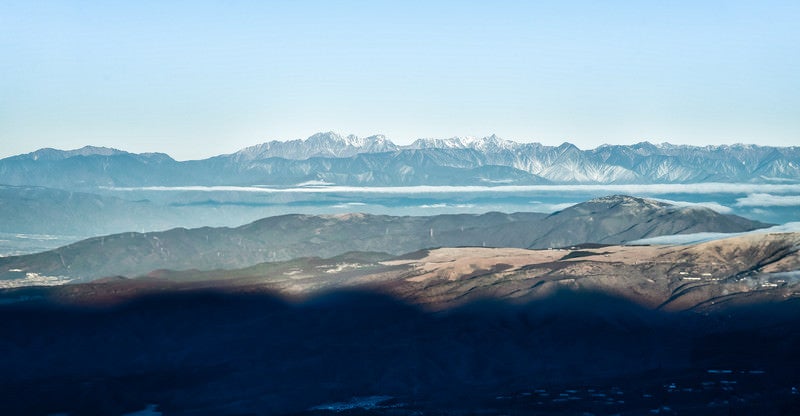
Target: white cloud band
x: 768, y: 200
x: 695, y: 188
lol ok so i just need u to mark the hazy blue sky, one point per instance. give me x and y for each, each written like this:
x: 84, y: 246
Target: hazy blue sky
x: 198, y: 78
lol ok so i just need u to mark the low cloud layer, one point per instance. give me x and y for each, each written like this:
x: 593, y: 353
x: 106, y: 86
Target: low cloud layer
x: 349, y: 205
x: 443, y: 205
x: 651, y: 189
x: 768, y: 200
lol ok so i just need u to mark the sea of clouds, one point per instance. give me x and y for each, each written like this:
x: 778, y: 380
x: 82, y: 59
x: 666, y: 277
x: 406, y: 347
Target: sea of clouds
x: 647, y: 189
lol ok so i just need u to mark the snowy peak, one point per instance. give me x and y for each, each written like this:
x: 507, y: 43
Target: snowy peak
x: 627, y: 200
x: 328, y: 144
x: 643, y: 162
x: 485, y: 144
x: 620, y: 204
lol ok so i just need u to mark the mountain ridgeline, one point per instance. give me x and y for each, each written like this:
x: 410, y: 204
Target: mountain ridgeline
x: 376, y: 161
x: 609, y: 220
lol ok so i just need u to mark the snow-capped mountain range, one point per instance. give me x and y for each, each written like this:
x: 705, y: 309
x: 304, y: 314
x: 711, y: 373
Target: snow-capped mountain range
x: 319, y: 145
x: 641, y: 162
x: 377, y: 161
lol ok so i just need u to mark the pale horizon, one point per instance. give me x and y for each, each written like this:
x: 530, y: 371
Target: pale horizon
x: 203, y: 78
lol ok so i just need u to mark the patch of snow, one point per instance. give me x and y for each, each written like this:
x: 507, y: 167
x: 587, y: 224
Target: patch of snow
x: 714, y: 206
x: 696, y: 238
x: 34, y: 279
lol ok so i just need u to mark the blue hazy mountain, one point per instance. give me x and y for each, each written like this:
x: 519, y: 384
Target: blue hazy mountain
x: 376, y: 161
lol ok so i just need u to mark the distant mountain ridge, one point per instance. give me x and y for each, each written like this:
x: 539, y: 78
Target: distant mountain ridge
x: 48, y: 153
x: 376, y: 161
x: 609, y: 220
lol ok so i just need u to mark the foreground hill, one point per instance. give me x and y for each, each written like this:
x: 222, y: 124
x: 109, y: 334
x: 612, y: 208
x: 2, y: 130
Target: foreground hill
x: 752, y: 268
x: 516, y: 332
x: 609, y: 220
x: 376, y: 161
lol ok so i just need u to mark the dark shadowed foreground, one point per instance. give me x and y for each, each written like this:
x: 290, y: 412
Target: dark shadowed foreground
x: 364, y: 353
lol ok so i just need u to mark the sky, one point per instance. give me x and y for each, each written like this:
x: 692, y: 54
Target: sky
x: 195, y: 78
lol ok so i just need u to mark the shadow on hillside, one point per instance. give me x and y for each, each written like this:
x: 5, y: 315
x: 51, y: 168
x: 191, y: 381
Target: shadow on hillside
x: 214, y: 353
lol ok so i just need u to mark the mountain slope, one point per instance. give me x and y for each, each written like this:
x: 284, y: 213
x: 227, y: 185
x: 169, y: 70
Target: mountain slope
x: 702, y: 277
x: 608, y: 220
x: 619, y: 219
